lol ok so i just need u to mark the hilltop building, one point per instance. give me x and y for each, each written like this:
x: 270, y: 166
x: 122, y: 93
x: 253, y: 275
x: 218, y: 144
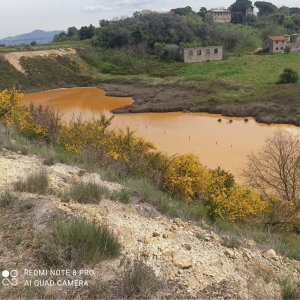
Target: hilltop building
x: 221, y: 16
x: 276, y: 44
x: 199, y: 54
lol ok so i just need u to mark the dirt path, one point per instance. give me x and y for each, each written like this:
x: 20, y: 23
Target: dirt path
x: 14, y: 57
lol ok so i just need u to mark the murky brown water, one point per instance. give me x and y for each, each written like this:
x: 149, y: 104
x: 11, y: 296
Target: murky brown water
x: 216, y: 143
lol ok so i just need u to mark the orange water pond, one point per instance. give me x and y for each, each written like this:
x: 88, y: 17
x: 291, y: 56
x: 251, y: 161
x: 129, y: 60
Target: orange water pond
x: 216, y: 143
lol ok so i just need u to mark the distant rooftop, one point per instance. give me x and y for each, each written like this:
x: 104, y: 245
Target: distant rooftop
x: 277, y: 38
x: 166, y: 13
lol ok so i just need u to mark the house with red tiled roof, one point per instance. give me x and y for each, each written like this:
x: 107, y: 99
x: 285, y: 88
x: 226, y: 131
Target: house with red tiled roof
x: 277, y: 44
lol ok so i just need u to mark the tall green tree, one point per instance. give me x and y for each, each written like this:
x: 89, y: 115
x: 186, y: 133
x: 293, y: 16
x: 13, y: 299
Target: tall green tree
x: 87, y: 32
x: 72, y: 31
x: 265, y: 8
x: 240, y: 6
x: 284, y: 10
x: 183, y: 11
x: 237, y: 18
x: 294, y: 10
x: 202, y: 12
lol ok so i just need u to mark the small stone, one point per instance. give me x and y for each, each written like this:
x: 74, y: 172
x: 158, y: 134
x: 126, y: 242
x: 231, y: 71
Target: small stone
x: 182, y: 260
x: 178, y: 221
x: 246, y: 255
x: 214, y: 236
x: 19, y: 152
x: 174, y: 227
x: 229, y: 253
x: 250, y: 243
x: 170, y: 274
x: 188, y: 247
x: 128, y: 235
x: 147, y: 240
x: 165, y: 235
x: 270, y: 254
x: 155, y: 234
x: 146, y: 253
x: 180, y: 271
x: 192, y: 282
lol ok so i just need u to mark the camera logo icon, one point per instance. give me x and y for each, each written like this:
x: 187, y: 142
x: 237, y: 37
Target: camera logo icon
x: 10, y: 281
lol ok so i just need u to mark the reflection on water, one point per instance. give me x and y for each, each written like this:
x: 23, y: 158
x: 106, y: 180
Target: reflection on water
x: 216, y: 143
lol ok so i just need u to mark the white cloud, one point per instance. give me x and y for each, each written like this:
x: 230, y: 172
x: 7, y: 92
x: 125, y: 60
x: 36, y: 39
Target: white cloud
x: 96, y: 8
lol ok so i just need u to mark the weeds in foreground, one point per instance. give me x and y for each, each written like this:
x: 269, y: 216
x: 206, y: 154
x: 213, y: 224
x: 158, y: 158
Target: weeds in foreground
x: 288, y: 243
x: 139, y: 281
x: 171, y: 206
x: 230, y: 242
x: 7, y: 198
x: 99, y: 290
x: 18, y: 240
x: 289, y: 289
x: 84, y: 192
x: 31, y: 292
x: 123, y: 196
x: 78, y: 240
x: 22, y: 207
x: 261, y: 270
x: 200, y: 236
x: 35, y: 183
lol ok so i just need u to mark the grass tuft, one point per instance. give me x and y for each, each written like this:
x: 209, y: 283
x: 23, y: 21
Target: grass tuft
x: 18, y: 240
x: 139, y: 281
x: 78, y: 240
x: 25, y: 206
x: 264, y: 271
x: 7, y: 198
x: 230, y: 242
x: 36, y: 183
x: 84, y: 192
x: 123, y: 196
x: 289, y: 289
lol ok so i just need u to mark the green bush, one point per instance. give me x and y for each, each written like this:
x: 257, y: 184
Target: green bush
x: 230, y: 242
x: 35, y: 183
x: 139, y: 281
x: 289, y: 289
x: 7, y: 198
x: 288, y: 76
x: 84, y: 193
x: 108, y: 67
x: 287, y: 49
x: 78, y: 240
x: 123, y: 196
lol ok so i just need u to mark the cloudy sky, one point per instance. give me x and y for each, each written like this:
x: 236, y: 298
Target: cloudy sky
x: 23, y: 16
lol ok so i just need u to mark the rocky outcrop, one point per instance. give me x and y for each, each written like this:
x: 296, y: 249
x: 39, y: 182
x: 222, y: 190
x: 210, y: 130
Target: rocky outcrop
x: 176, y: 250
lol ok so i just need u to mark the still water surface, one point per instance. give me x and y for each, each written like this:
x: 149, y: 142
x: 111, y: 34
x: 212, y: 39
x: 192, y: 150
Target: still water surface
x: 216, y: 143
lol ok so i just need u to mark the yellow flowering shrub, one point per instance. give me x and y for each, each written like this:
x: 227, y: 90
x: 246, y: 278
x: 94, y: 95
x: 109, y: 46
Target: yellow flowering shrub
x: 13, y: 113
x: 117, y: 144
x: 185, y: 176
x: 10, y: 110
x: 234, y: 202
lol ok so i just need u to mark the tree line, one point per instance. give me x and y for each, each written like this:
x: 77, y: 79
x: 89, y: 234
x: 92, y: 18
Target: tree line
x: 157, y: 32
